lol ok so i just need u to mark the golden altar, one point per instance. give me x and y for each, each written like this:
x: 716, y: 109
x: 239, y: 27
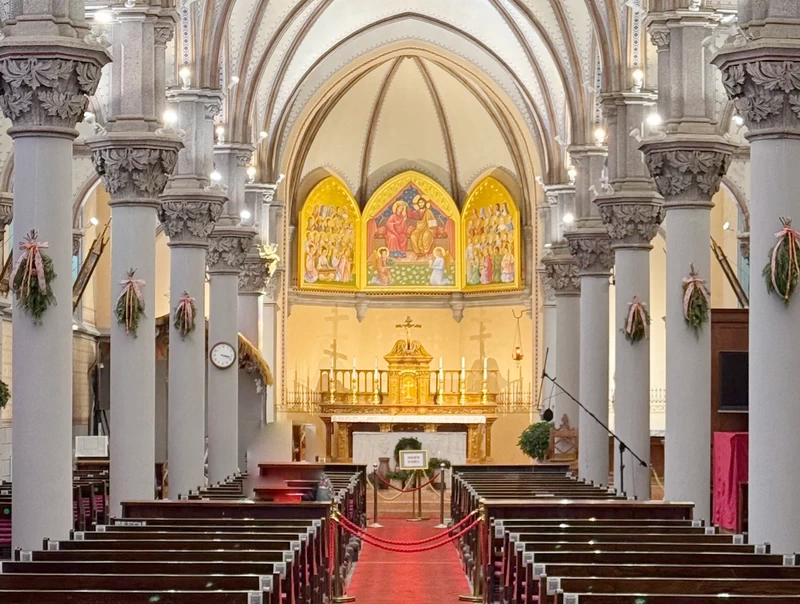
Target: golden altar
x: 408, y: 396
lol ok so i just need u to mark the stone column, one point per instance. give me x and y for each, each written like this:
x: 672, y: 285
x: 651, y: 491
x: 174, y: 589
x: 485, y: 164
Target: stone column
x: 758, y: 71
x: 688, y: 162
x: 47, y: 71
x: 230, y: 243
x: 562, y: 273
x: 549, y: 325
x: 631, y: 210
x: 134, y: 160
x: 189, y: 209
x: 590, y: 245
x: 272, y: 234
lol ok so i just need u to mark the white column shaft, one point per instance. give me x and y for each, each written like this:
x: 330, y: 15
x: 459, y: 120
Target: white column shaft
x: 249, y: 315
x: 687, y: 452
x: 550, y: 313
x: 187, y: 367
x: 568, y: 311
x: 223, y: 384
x: 632, y: 375
x: 774, y: 379
x: 133, y: 359
x: 42, y: 354
x: 268, y: 351
x: 594, y: 343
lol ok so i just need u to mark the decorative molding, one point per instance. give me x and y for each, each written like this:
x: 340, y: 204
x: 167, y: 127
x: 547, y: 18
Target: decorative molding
x: 189, y: 220
x: 253, y: 276
x: 631, y: 222
x: 563, y: 274
x: 686, y: 174
x: 592, y: 252
x: 49, y: 92
x: 227, y: 249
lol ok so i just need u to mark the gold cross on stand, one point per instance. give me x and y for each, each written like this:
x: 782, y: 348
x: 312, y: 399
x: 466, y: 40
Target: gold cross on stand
x: 408, y: 326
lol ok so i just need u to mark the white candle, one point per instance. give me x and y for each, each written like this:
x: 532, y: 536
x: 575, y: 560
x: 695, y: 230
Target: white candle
x: 440, y: 363
x: 485, y: 368
x: 376, y: 363
x: 463, y: 363
x: 354, y: 363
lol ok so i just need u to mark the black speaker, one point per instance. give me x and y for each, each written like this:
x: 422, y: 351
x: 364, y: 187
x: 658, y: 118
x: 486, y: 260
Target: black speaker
x: 734, y: 381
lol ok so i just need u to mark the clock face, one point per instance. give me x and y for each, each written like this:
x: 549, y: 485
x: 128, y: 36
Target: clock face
x: 222, y: 355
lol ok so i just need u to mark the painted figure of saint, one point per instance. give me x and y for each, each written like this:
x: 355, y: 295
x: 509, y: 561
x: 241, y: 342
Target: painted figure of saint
x: 397, y: 229
x: 383, y: 273
x: 311, y: 274
x: 508, y: 266
x: 439, y: 268
x: 425, y: 230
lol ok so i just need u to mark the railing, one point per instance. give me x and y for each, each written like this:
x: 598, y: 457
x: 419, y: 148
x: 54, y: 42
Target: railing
x: 658, y: 398
x: 365, y: 381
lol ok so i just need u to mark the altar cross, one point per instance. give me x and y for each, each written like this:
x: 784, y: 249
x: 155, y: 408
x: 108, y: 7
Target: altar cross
x: 408, y: 326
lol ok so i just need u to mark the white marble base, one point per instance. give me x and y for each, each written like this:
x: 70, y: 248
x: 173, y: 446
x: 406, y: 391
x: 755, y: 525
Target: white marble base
x: 369, y: 446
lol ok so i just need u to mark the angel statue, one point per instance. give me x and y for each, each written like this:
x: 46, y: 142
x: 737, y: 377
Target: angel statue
x: 440, y: 265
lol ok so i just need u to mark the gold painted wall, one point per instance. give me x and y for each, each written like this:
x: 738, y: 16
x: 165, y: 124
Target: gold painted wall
x: 311, y: 331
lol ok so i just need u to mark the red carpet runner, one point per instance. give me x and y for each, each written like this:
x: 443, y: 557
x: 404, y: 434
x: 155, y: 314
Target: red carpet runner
x: 432, y: 577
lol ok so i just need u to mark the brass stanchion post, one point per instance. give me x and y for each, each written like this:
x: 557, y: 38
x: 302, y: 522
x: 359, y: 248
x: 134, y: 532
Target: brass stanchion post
x: 338, y: 580
x: 375, y: 497
x: 477, y: 574
x: 441, y: 498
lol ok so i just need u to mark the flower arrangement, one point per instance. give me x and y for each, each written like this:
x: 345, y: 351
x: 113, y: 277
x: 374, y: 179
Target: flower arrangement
x: 31, y: 277
x: 636, y: 322
x: 130, y: 303
x: 783, y: 269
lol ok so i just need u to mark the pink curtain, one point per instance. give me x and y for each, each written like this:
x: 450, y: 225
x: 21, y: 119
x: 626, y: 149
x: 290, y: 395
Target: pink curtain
x: 730, y: 470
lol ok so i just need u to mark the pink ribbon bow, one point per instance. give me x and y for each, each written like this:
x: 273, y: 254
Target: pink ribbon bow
x: 31, y: 257
x: 131, y: 291
x: 185, y: 303
x: 693, y: 283
x: 787, y: 232
x: 636, y: 309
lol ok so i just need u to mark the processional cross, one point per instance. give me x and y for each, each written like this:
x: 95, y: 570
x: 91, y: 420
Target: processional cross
x: 408, y: 326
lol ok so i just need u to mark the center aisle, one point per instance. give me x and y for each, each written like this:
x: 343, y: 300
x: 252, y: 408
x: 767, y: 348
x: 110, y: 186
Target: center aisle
x: 432, y: 577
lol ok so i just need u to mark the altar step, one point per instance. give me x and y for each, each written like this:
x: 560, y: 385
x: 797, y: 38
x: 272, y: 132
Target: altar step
x: 400, y: 505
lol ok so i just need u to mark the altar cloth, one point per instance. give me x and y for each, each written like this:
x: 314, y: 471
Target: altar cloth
x: 730, y: 469
x: 369, y: 446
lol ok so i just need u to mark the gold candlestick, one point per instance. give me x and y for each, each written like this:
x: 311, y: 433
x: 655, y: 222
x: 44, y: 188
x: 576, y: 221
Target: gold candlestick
x: 484, y: 392
x: 354, y: 386
x: 332, y: 385
x: 376, y: 388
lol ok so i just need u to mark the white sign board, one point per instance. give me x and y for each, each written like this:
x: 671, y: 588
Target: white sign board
x: 413, y: 460
x: 91, y: 446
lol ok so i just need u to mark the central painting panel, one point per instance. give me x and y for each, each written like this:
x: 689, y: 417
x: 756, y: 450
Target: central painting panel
x: 411, y: 231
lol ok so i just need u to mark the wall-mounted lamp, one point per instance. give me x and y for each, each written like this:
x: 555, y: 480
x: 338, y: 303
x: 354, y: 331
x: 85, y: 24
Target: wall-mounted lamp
x: 251, y: 174
x: 654, y: 120
x: 220, y: 131
x: 186, y: 77
x: 638, y: 80
x: 600, y: 136
x: 568, y: 218
x: 93, y: 221
x: 572, y: 172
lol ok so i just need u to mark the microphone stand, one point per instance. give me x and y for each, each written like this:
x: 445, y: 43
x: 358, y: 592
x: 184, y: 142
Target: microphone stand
x: 622, y: 446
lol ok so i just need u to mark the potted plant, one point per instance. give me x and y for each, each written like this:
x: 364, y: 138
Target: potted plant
x: 535, y: 440
x: 435, y: 467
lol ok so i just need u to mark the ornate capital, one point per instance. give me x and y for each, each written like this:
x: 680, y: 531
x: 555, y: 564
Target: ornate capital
x: 630, y: 222
x: 548, y: 292
x: 134, y: 167
x: 213, y: 108
x: 766, y: 92
x: 77, y: 236
x: 563, y: 274
x: 163, y: 34
x: 744, y: 244
x: 189, y: 216
x: 227, y: 249
x: 686, y: 171
x: 50, y: 90
x: 243, y: 158
x: 592, y: 252
x: 272, y: 289
x: 660, y: 38
x: 253, y: 276
x: 6, y: 210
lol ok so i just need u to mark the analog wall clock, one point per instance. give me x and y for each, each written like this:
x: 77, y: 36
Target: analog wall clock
x: 223, y: 355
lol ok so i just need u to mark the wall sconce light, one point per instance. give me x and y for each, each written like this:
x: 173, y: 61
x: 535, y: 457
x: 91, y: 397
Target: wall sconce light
x: 251, y: 174
x: 654, y: 120
x: 572, y: 172
x: 600, y: 136
x: 568, y: 218
x: 638, y: 80
x: 220, y: 131
x: 186, y: 77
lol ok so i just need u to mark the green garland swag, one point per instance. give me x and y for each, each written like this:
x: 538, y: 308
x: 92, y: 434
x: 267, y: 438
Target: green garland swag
x: 32, y: 276
x: 185, y: 314
x: 695, y: 301
x: 782, y: 272
x: 130, y: 303
x: 5, y: 394
x: 636, y: 322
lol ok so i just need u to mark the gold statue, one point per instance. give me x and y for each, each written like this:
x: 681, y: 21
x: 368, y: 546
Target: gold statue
x: 408, y: 326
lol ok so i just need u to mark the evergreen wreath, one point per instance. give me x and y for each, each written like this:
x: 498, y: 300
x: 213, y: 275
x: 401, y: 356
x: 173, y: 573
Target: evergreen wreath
x: 637, y: 321
x: 185, y: 313
x: 783, y: 269
x: 407, y: 443
x: 695, y: 300
x: 32, y: 277
x: 130, y: 303
x: 5, y: 394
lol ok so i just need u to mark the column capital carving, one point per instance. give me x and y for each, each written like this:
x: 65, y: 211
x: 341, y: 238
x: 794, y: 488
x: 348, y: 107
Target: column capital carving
x: 687, y: 170
x: 134, y: 167
x: 189, y: 216
x: 660, y: 38
x: 631, y: 221
x: 548, y: 293
x: 227, y: 249
x: 253, y: 276
x: 48, y: 92
x: 272, y: 289
x: 77, y: 236
x: 763, y: 79
x: 563, y: 274
x: 6, y: 209
x: 592, y: 252
x: 744, y: 244
x: 163, y: 33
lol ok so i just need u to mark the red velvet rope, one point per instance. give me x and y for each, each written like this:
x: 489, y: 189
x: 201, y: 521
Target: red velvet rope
x: 391, y: 486
x: 354, y: 528
x: 364, y: 536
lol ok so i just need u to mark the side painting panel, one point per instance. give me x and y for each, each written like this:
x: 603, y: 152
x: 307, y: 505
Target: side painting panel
x: 330, y: 238
x: 491, y: 235
x: 412, y: 235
